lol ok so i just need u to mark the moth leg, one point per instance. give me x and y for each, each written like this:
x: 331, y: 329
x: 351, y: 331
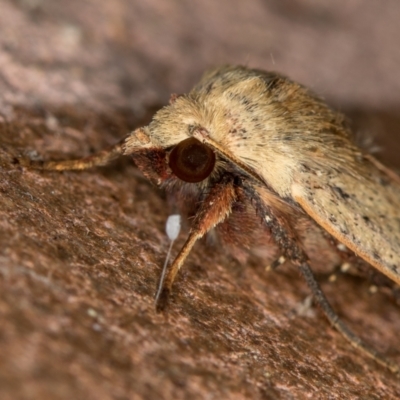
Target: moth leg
x: 276, y: 263
x: 213, y: 210
x: 100, y: 159
x: 290, y: 245
x: 383, y: 168
x: 338, y: 324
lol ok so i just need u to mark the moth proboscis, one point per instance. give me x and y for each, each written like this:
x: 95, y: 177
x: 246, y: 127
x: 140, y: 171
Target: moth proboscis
x: 260, y: 159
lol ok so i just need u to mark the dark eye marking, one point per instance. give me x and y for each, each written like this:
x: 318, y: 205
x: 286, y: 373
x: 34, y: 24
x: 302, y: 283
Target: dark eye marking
x: 191, y: 160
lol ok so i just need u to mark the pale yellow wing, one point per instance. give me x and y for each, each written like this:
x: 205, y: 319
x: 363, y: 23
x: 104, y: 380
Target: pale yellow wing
x: 362, y: 213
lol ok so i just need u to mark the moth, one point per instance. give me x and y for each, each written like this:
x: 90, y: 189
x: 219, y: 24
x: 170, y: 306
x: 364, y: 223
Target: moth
x: 258, y: 159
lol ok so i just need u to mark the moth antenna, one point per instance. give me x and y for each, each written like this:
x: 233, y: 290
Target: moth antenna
x: 172, y: 228
x: 100, y: 159
x: 338, y: 324
x: 213, y: 210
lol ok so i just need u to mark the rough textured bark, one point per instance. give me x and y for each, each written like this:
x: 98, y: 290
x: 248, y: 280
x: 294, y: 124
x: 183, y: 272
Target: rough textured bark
x: 81, y: 253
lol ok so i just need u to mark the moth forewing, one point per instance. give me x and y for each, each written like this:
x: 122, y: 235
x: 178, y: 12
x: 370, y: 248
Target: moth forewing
x: 362, y: 213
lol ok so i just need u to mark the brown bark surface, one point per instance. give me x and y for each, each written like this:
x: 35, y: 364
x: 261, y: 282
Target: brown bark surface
x: 81, y: 253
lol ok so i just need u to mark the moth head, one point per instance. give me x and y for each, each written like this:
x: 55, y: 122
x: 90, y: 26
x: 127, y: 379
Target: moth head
x: 166, y: 150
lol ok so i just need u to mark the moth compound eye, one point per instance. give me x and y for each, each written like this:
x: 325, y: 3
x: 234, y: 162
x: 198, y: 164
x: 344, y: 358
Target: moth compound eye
x: 191, y: 160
